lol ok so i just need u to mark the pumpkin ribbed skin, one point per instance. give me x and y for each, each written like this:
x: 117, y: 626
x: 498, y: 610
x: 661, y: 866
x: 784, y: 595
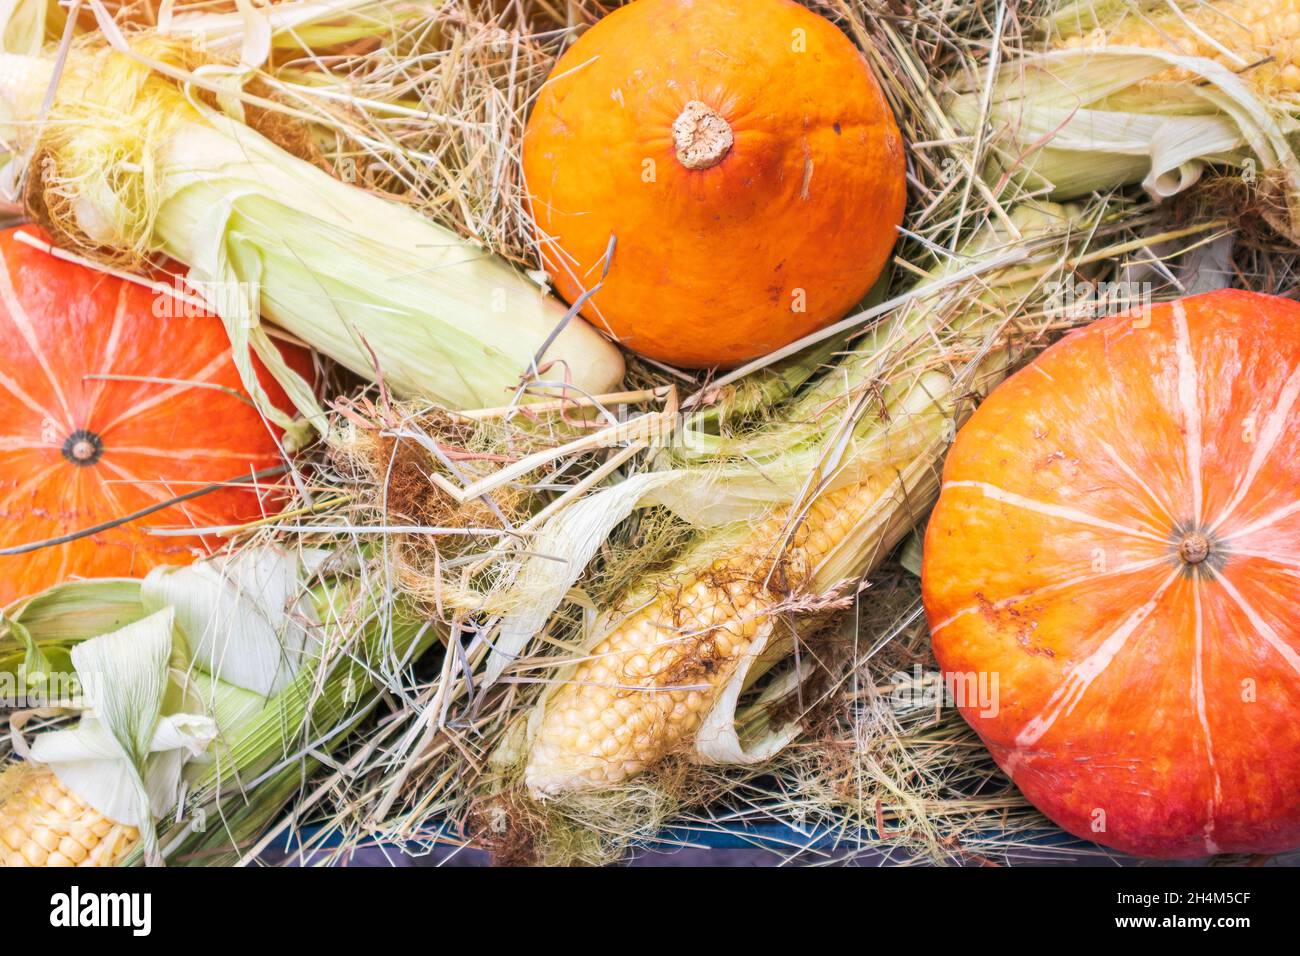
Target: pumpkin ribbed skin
x: 715, y: 264
x: 77, y: 450
x: 1117, y: 542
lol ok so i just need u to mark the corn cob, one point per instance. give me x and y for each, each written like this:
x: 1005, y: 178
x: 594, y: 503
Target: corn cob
x: 646, y: 688
x: 127, y: 166
x: 1235, y: 33
x: 43, y: 824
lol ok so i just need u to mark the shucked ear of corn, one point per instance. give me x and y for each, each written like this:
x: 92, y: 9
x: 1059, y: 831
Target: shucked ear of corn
x: 648, y: 687
x: 644, y: 691
x: 42, y: 823
x: 1122, y: 92
x: 283, y: 666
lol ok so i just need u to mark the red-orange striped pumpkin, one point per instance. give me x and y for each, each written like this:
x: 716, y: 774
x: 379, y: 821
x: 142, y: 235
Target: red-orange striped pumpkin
x: 84, y: 441
x: 1116, y: 553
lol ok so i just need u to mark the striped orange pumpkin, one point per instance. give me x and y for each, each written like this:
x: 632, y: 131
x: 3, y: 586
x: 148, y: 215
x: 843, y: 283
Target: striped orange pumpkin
x: 1114, y: 562
x: 113, y: 399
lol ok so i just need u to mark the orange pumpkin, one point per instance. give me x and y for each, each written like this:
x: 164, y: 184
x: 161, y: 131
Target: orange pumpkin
x: 1113, y: 560
x: 84, y: 441
x: 744, y: 158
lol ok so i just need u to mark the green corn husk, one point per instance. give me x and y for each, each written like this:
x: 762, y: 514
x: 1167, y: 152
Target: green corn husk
x: 320, y: 707
x: 772, y: 385
x: 133, y: 165
x: 252, y: 31
x: 267, y: 719
x: 308, y: 25
x: 918, y: 375
x: 1092, y: 118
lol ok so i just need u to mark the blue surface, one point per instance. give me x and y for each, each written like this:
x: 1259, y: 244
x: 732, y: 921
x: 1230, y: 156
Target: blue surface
x: 779, y: 841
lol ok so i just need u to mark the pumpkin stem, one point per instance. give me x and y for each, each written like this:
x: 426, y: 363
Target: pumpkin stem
x: 1194, y: 548
x: 701, y: 135
x: 83, y: 447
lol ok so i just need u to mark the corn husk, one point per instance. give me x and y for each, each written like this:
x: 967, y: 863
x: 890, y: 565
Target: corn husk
x: 1070, y: 122
x: 124, y: 757
x: 251, y: 30
x: 247, y: 618
x: 132, y: 163
x: 187, y: 706
x: 23, y: 25
x: 254, y: 31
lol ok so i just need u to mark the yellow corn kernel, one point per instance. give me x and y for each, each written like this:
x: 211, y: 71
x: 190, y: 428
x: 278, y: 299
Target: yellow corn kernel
x: 646, y: 687
x: 43, y: 824
x: 1234, y: 33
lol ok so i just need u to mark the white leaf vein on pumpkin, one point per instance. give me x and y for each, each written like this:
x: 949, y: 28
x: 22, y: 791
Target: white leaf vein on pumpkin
x: 1082, y: 675
x: 1063, y: 512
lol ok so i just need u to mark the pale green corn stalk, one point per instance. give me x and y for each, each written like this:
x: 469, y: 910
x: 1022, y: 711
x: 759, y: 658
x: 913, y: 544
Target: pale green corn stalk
x: 849, y: 467
x: 1120, y: 93
x: 128, y: 164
